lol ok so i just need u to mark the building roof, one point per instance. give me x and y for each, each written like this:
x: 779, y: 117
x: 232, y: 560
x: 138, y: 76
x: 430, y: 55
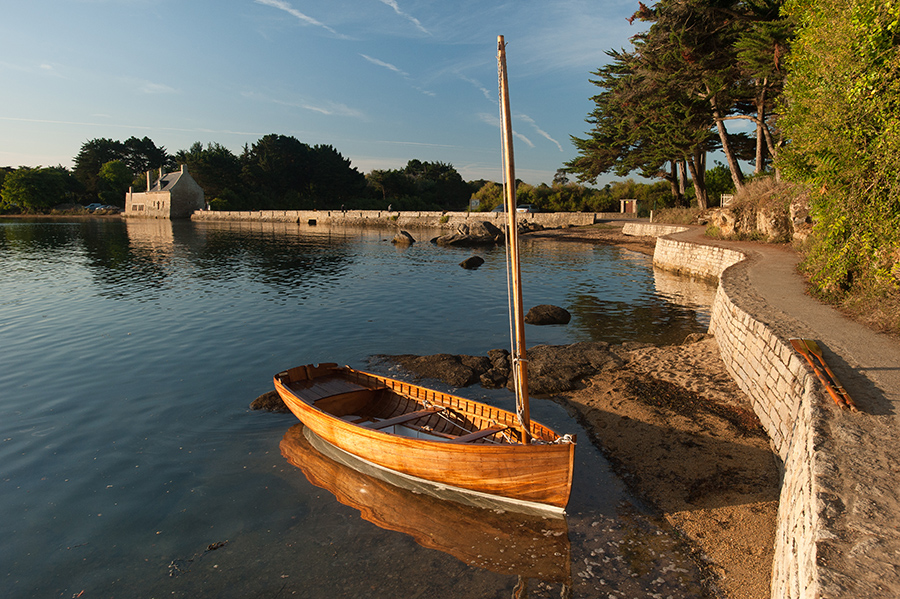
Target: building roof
x: 167, y: 181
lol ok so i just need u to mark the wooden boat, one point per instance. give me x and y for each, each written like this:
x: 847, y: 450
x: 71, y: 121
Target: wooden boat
x: 434, y: 437
x: 437, y: 438
x: 502, y: 542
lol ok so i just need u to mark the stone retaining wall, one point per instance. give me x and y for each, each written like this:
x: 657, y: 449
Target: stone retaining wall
x: 404, y: 219
x: 785, y: 396
x: 787, y: 399
x: 650, y: 230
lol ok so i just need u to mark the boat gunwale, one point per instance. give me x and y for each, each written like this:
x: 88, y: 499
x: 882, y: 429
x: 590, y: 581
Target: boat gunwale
x: 438, y: 398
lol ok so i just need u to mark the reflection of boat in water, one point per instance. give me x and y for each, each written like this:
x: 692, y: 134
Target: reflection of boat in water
x: 503, y: 542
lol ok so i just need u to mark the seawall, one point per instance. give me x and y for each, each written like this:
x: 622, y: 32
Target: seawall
x: 404, y: 219
x: 788, y: 400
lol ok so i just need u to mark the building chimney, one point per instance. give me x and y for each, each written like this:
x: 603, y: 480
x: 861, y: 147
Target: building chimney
x: 183, y: 169
x: 148, y: 180
x: 160, y: 177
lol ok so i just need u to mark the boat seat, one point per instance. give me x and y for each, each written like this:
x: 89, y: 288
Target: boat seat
x: 403, y: 418
x: 487, y: 432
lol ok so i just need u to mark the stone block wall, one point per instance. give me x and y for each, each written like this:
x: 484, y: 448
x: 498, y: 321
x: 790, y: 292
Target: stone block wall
x: 784, y: 394
x: 786, y: 398
x: 405, y: 219
x: 650, y: 230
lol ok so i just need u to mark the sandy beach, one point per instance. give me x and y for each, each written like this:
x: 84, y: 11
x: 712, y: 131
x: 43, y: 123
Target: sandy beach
x: 684, y: 438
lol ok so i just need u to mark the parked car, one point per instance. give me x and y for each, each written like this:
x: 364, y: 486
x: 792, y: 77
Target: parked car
x: 92, y: 207
x: 526, y: 208
x: 499, y: 208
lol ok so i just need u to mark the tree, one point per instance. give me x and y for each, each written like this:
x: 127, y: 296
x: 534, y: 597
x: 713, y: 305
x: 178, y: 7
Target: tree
x: 113, y: 181
x: 391, y: 185
x: 277, y: 170
x: 489, y: 196
x: 762, y: 50
x: 91, y: 157
x: 421, y: 185
x: 216, y: 169
x: 643, y: 122
x: 142, y: 155
x: 333, y: 180
x: 691, y: 43
x: 138, y: 156
x: 438, y: 185
x: 34, y: 189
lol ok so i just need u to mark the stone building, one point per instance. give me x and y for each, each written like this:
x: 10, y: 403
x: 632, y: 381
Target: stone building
x: 173, y: 195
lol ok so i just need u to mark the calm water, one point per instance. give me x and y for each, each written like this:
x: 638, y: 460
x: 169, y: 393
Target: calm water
x: 130, y: 352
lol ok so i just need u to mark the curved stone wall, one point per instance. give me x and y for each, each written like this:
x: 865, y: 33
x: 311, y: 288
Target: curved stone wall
x: 785, y: 395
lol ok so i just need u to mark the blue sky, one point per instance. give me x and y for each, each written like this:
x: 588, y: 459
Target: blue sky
x: 383, y: 81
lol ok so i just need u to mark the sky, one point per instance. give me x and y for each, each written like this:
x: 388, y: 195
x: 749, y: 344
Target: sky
x: 382, y: 81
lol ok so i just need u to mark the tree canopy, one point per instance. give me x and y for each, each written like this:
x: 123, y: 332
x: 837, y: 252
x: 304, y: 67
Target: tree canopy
x: 137, y: 155
x: 35, y: 189
x: 663, y: 105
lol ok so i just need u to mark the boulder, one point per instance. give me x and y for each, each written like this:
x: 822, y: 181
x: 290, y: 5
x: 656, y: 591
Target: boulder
x: 559, y: 368
x: 773, y: 223
x: 269, y: 401
x: 801, y: 219
x: 472, y: 262
x: 475, y: 234
x: 547, y: 314
x: 458, y: 371
x: 552, y: 368
x: 403, y: 238
x: 724, y: 220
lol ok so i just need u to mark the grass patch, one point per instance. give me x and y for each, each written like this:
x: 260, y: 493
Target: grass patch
x: 677, y: 216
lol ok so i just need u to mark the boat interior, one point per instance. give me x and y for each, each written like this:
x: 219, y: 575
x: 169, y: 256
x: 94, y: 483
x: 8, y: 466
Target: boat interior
x: 398, y: 408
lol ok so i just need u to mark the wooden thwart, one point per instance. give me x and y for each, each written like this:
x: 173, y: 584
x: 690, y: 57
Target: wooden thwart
x: 403, y: 418
x: 479, y: 434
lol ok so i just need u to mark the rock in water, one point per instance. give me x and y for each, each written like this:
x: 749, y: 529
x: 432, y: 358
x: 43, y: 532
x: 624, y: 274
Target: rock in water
x: 472, y: 262
x: 269, y: 401
x: 477, y: 233
x: 403, y: 238
x: 547, y: 314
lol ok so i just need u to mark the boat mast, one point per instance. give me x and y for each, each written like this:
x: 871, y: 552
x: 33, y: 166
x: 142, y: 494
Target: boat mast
x: 519, y: 360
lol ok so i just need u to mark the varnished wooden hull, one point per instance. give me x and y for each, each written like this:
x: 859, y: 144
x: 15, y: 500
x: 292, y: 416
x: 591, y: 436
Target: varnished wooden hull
x: 327, y: 398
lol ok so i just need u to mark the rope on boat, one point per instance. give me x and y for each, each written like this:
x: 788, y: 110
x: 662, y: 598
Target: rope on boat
x: 514, y: 360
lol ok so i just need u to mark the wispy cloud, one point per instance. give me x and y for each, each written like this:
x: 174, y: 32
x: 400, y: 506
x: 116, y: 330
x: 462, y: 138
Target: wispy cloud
x: 399, y: 71
x: 491, y: 96
x: 325, y: 107
x: 286, y: 7
x: 149, y: 87
x: 494, y: 121
x: 386, y: 65
x: 393, y: 4
x: 334, y: 109
x: 541, y: 132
